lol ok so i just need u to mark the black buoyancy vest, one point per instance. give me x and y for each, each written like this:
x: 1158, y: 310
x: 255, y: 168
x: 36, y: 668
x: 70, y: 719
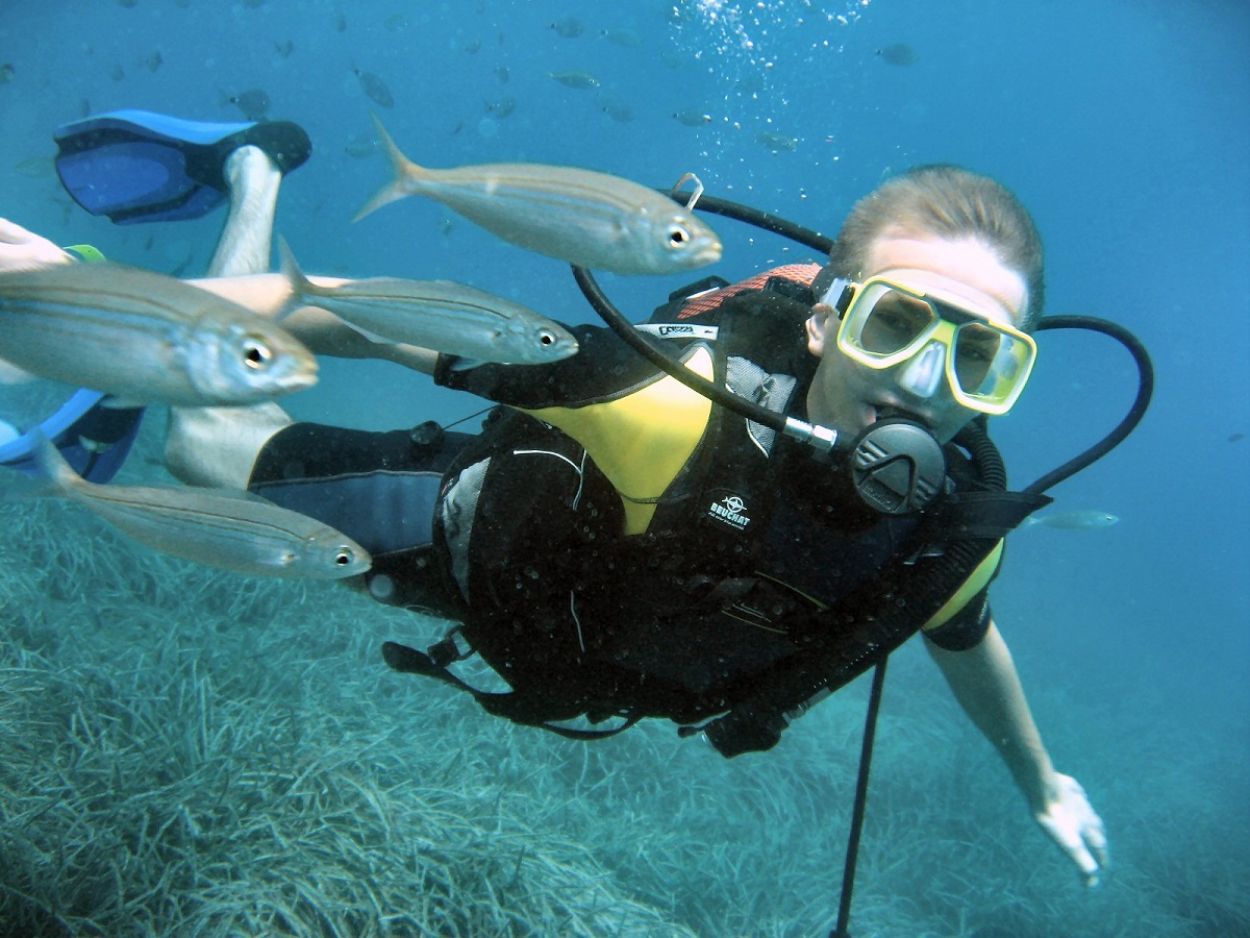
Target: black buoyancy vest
x: 724, y: 498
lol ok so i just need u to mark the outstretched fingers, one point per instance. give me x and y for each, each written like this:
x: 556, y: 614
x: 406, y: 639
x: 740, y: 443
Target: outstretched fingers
x: 21, y: 249
x: 1073, y: 824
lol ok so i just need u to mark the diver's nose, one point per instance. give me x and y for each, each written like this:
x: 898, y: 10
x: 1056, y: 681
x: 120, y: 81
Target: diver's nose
x: 922, y: 376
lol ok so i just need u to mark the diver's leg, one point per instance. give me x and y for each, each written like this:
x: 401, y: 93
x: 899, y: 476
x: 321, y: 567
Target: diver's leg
x: 217, y: 446
x: 245, y: 242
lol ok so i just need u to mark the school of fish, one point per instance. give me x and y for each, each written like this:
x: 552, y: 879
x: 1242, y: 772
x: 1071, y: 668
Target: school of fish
x: 147, y: 338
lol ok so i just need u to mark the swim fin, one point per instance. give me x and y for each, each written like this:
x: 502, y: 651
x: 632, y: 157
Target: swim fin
x: 93, y: 436
x: 139, y: 166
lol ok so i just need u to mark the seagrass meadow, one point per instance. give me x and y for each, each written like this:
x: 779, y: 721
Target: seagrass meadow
x: 187, y: 752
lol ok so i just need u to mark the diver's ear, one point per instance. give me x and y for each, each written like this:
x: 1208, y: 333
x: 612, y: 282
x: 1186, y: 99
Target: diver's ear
x: 821, y: 325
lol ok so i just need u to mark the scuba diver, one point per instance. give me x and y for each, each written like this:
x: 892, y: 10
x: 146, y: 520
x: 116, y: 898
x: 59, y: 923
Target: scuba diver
x: 618, y: 546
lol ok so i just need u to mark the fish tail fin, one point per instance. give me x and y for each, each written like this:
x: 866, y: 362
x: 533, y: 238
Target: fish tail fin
x: 404, y: 172
x: 59, y: 474
x: 300, y: 285
x: 11, y: 374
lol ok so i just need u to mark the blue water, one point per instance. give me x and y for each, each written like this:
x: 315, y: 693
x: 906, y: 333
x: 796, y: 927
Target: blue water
x: 1125, y: 127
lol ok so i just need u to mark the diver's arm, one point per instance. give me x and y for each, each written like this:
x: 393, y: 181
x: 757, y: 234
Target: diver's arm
x: 984, y: 681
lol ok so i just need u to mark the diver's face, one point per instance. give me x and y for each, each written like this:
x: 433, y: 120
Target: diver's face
x: 848, y: 396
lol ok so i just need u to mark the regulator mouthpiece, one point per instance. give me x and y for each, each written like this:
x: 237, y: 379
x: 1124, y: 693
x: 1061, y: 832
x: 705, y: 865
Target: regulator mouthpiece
x: 897, y: 467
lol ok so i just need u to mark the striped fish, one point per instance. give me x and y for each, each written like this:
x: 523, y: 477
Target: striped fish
x: 586, y: 218
x: 145, y: 337
x: 222, y: 528
x: 436, y: 314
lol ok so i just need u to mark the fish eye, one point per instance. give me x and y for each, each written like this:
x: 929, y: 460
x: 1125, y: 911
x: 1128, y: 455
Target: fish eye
x: 256, y: 353
x: 344, y: 556
x: 546, y: 337
x: 678, y: 236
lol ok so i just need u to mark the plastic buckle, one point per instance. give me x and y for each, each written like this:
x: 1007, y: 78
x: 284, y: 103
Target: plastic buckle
x: 453, y: 647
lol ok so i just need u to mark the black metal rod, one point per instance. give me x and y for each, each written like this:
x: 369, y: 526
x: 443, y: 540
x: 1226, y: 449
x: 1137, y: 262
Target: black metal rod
x: 861, y: 798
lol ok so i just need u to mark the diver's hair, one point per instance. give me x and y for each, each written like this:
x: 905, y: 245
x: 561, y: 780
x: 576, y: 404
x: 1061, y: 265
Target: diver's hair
x: 950, y: 202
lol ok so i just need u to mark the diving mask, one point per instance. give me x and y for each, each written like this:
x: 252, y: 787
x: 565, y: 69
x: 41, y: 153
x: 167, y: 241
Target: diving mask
x: 884, y: 324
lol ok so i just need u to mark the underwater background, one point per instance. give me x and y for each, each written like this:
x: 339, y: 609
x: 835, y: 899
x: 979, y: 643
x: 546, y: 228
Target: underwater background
x: 190, y: 752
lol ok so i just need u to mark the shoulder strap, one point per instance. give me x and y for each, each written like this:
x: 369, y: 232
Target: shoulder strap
x: 780, y: 279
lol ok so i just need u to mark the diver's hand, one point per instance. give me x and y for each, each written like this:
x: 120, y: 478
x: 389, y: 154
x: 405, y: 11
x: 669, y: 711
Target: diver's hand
x: 24, y: 250
x: 1071, y: 823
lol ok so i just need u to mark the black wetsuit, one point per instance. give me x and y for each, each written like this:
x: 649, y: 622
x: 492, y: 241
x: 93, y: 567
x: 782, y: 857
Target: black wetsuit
x: 611, y: 527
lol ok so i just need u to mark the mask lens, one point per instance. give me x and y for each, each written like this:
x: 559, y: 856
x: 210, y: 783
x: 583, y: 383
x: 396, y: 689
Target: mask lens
x: 976, y: 350
x: 988, y: 364
x: 893, y: 323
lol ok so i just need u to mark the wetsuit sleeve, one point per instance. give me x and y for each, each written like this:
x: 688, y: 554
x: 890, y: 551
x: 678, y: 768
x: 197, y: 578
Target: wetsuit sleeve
x: 966, y: 628
x: 964, y: 619
x: 380, y: 489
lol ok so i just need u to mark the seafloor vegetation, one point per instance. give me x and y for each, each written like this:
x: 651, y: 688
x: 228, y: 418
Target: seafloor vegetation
x: 186, y: 752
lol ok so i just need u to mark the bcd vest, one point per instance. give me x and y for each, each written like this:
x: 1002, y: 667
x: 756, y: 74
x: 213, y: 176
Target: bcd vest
x: 652, y: 599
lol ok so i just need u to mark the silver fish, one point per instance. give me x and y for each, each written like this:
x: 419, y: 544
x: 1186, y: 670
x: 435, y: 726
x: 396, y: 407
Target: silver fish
x: 900, y: 53
x: 579, y: 80
x: 1080, y: 520
x: 616, y: 109
x: 361, y: 145
x: 778, y: 143
x: 145, y: 337
x: 692, y: 117
x: 219, y: 527
x: 375, y: 88
x: 570, y: 27
x: 622, y: 37
x: 254, y: 103
x: 500, y: 107
x: 36, y: 167
x: 436, y: 314
x: 583, y: 217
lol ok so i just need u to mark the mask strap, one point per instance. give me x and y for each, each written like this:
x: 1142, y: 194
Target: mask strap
x: 835, y: 296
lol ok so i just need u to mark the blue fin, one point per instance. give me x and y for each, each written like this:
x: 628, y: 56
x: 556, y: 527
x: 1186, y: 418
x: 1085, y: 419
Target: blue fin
x: 93, y: 437
x: 139, y: 166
